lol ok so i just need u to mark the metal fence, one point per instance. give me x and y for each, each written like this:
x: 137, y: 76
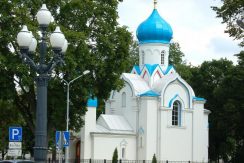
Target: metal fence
x: 119, y: 161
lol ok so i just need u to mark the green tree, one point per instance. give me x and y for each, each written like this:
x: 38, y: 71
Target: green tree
x: 96, y: 43
x: 231, y: 98
x: 230, y: 12
x: 176, y: 59
x: 134, y: 55
x: 175, y: 54
x: 207, y: 81
x: 154, y: 159
x: 115, y: 156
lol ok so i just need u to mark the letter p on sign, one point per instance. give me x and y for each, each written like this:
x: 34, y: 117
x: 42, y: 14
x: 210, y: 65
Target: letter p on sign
x: 15, y: 134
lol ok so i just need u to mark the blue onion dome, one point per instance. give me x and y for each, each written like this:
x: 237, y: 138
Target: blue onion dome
x: 154, y: 30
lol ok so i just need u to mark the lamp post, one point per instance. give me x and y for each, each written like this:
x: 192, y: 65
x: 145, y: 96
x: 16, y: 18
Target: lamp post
x: 27, y: 44
x: 67, y: 110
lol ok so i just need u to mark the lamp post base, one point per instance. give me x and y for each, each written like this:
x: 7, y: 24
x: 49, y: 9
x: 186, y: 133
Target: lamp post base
x: 40, y: 149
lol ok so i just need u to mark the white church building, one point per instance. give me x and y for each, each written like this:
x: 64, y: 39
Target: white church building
x: 156, y: 112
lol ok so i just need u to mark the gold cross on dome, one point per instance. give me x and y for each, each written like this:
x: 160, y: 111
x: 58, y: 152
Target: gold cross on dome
x: 155, y: 4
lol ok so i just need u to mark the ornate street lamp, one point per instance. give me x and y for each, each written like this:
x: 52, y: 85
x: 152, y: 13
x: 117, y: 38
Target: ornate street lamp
x: 27, y: 44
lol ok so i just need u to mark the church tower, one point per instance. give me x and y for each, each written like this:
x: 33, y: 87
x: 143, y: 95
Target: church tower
x: 154, y: 35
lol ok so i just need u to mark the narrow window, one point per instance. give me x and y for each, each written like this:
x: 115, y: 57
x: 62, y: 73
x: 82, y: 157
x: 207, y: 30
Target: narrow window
x: 142, y: 57
x: 123, y: 99
x: 141, y: 142
x: 162, y: 56
x: 176, y: 114
x: 123, y: 153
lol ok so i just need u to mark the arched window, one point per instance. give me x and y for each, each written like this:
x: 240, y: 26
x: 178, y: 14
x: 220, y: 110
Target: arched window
x: 176, y: 113
x: 142, y: 57
x: 123, y: 99
x: 162, y: 56
x: 123, y: 153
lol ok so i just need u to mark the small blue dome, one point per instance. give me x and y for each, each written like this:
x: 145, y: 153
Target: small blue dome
x: 154, y: 30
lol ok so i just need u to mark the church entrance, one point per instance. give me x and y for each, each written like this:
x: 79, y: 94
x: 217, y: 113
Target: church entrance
x: 77, y: 153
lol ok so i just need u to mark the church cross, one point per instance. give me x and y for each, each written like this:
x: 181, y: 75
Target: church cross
x: 155, y: 4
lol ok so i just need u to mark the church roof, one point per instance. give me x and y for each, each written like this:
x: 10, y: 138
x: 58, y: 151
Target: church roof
x: 113, y: 123
x: 154, y: 30
x: 151, y: 68
x: 139, y: 85
x: 198, y: 99
x: 150, y: 93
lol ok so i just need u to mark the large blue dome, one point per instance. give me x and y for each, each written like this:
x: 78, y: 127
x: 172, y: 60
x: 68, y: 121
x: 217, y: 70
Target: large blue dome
x: 154, y: 30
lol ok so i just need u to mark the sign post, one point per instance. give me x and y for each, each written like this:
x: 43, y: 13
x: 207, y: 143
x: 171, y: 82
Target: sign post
x: 15, y: 144
x: 62, y: 140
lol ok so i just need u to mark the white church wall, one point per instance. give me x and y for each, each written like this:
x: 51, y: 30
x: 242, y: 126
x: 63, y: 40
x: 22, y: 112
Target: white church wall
x: 152, y: 54
x: 176, y: 140
x: 90, y: 125
x: 199, y: 128
x: 206, y: 136
x: 128, y: 110
x: 72, y: 148
x: 104, y: 146
x: 147, y: 146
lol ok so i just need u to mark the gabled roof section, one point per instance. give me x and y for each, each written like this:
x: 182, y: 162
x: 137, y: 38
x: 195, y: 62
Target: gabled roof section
x: 136, y: 68
x: 137, y: 83
x: 170, y: 67
x: 151, y: 68
x: 150, y: 93
x: 114, y: 123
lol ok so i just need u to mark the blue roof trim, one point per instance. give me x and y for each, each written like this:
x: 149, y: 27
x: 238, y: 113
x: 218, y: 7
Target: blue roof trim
x: 198, y: 99
x: 137, y: 68
x: 168, y: 69
x: 92, y: 102
x: 154, y: 41
x: 151, y: 68
x: 171, y: 101
x: 150, y: 93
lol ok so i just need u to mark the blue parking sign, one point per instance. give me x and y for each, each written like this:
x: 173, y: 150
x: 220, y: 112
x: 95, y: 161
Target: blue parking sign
x: 15, y: 134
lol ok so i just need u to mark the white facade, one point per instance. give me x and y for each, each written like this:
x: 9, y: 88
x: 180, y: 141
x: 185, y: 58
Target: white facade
x: 156, y: 112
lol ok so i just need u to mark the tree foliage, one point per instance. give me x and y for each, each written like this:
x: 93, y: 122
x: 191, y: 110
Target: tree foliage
x: 115, y: 156
x: 175, y: 54
x: 231, y: 11
x: 221, y: 83
x: 96, y: 43
x: 154, y: 159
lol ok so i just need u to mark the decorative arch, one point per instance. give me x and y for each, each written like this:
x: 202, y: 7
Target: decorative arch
x: 184, y: 85
x: 127, y: 83
x: 176, y: 97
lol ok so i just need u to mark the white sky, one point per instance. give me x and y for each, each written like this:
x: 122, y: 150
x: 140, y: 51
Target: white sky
x: 195, y: 26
